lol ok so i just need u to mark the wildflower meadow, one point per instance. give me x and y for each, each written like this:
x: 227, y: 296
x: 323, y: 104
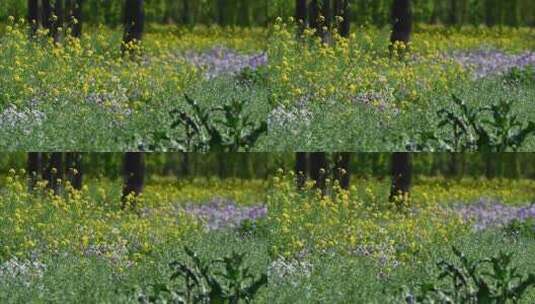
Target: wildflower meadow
x: 282, y: 236
x: 293, y: 86
x: 267, y: 151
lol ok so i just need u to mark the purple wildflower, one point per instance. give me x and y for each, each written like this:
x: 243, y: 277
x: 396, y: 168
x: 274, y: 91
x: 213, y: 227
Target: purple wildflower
x: 221, y: 213
x: 222, y: 61
x: 493, y: 62
x: 486, y: 214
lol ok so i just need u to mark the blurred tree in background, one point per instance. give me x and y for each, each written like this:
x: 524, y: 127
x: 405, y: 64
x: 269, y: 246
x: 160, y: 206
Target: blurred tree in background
x: 261, y: 12
x: 261, y: 165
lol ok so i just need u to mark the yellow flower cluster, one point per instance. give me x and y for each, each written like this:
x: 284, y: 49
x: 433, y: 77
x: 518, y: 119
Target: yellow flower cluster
x: 77, y: 221
x: 344, y: 221
x: 93, y: 66
x: 362, y: 64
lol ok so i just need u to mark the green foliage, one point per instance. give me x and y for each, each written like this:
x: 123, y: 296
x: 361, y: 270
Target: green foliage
x: 518, y: 76
x: 250, y: 77
x: 205, y: 130
x: 472, y: 130
x: 472, y: 282
x: 518, y: 228
x: 204, y: 284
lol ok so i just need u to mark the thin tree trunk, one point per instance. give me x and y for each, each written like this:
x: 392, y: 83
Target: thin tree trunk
x: 221, y: 13
x: 58, y: 22
x: 515, y: 165
x: 401, y: 22
x: 318, y: 170
x: 324, y: 28
x: 490, y: 6
x: 73, y: 10
x: 222, y: 163
x: 453, y: 166
x: 342, y: 173
x: 47, y: 15
x: 301, y: 15
x: 186, y: 12
x: 73, y: 162
x: 401, y: 177
x: 490, y: 166
x: 345, y: 26
x: 134, y: 177
x: 34, y: 168
x: 301, y: 169
x: 184, y: 164
x: 453, y: 12
x: 244, y: 16
x: 314, y: 15
x: 134, y: 22
x: 53, y: 172
x: 462, y: 163
x: 33, y: 16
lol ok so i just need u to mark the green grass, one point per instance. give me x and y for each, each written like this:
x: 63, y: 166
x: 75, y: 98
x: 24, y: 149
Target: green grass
x: 346, y: 279
x: 333, y: 279
x: 71, y: 278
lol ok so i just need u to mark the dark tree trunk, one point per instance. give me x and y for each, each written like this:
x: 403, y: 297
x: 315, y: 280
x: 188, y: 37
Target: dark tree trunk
x: 134, y: 177
x: 47, y: 15
x: 34, y: 168
x: 53, y: 172
x: 490, y: 6
x: 453, y: 166
x: 345, y: 26
x: 33, y: 16
x: 341, y: 172
x: 324, y: 28
x: 462, y: 161
x: 58, y: 22
x: 221, y: 13
x: 244, y: 16
x: 490, y: 166
x: 134, y: 22
x: 401, y: 177
x: 435, y: 13
x: 301, y: 169
x: 401, y: 22
x: 73, y: 9
x: 454, y: 13
x: 321, y: 25
x: 222, y: 163
x: 186, y: 12
x: 301, y: 15
x: 318, y: 170
x: 53, y: 18
x: 515, y: 165
x: 73, y: 162
x: 184, y: 164
x: 314, y: 15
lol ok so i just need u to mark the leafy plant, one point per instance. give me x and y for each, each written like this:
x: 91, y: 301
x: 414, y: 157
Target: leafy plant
x: 473, y: 131
x: 521, y: 228
x: 204, y: 284
x: 523, y: 76
x: 472, y: 282
x: 205, y: 131
x: 250, y: 76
